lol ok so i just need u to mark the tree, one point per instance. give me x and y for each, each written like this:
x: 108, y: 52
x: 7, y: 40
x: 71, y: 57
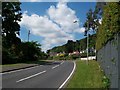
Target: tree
x: 69, y: 46
x: 30, y: 51
x: 91, y: 22
x: 99, y: 9
x: 93, y: 17
x: 10, y: 28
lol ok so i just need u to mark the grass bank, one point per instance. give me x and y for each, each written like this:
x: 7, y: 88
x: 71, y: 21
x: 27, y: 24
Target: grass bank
x: 9, y: 67
x: 87, y: 76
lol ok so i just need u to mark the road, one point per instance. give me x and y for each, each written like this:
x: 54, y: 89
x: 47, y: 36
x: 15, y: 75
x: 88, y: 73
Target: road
x: 53, y: 75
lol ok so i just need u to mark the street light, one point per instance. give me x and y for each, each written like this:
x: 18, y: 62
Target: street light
x: 28, y: 35
x: 86, y: 34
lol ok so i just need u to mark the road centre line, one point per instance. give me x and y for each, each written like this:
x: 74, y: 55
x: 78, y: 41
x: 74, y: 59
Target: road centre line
x: 55, y: 66
x: 68, y: 77
x: 31, y: 76
x: 20, y: 70
x: 62, y: 62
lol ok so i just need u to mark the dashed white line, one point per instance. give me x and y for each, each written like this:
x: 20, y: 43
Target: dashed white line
x: 68, y: 77
x: 62, y: 62
x: 30, y: 76
x: 55, y: 66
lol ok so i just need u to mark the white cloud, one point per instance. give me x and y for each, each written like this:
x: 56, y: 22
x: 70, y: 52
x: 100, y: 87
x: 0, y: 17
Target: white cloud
x: 42, y: 26
x: 64, y: 16
x: 80, y: 30
x: 100, y: 21
x: 56, y: 28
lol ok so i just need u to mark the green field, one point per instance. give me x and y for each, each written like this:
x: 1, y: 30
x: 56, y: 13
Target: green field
x: 86, y: 76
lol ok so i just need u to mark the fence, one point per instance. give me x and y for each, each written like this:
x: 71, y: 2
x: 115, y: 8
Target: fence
x: 109, y: 59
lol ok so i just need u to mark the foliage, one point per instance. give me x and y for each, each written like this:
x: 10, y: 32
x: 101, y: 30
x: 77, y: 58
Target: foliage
x: 99, y: 10
x: 13, y: 50
x: 11, y: 14
x: 106, y: 82
x: 30, y: 51
x: 77, y: 45
x: 110, y: 24
x: 10, y: 28
x: 70, y: 46
x: 90, y: 23
x: 93, y: 17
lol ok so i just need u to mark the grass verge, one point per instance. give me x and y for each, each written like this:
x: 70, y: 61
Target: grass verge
x: 86, y: 76
x: 10, y: 67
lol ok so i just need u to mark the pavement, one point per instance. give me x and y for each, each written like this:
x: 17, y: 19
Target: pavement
x: 7, y: 68
x: 52, y: 75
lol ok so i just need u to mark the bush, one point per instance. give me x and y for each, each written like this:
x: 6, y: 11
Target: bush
x: 8, y: 57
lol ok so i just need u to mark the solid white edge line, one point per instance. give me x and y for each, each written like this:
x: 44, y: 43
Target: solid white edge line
x: 31, y: 76
x: 55, y: 66
x: 68, y: 77
x: 20, y: 70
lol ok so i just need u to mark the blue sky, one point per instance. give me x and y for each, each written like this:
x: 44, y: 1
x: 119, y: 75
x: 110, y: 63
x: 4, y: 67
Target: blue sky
x: 51, y: 23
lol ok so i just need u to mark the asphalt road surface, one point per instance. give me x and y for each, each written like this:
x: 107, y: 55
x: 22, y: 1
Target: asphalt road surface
x: 52, y: 75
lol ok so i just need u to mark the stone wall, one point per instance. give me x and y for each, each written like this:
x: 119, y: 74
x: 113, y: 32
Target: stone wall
x: 109, y: 59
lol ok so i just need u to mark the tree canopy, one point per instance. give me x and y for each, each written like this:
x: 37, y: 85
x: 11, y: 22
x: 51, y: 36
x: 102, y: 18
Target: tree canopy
x: 77, y: 45
x: 11, y: 14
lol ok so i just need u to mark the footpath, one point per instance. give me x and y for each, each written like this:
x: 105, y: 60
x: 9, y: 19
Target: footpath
x: 7, y: 68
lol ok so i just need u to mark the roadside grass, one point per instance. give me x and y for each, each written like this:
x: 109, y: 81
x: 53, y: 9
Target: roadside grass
x: 29, y: 62
x: 8, y: 67
x: 86, y: 76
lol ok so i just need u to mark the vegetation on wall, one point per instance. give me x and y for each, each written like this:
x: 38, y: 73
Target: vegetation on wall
x: 110, y: 24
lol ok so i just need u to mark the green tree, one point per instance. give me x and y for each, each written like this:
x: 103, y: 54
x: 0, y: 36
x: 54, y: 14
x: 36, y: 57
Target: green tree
x: 30, y: 51
x: 69, y: 46
x: 11, y: 14
x: 93, y: 17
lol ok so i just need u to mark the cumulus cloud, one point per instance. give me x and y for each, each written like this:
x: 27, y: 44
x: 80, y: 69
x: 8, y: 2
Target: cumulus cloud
x: 42, y: 26
x: 64, y: 16
x: 56, y: 27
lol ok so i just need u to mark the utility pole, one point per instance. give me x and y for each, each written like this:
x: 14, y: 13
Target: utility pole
x: 28, y: 35
x: 87, y: 47
x: 87, y: 42
x: 86, y: 34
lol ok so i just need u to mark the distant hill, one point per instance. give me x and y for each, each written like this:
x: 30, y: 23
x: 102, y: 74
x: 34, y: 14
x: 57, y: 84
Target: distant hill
x: 78, y: 45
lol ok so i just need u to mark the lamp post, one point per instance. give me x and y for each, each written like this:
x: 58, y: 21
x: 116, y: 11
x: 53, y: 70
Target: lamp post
x: 87, y: 46
x: 86, y: 34
x: 28, y: 35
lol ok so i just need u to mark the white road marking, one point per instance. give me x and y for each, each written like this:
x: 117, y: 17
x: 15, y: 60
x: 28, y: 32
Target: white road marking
x: 55, y: 66
x: 68, y: 77
x: 62, y: 62
x: 20, y: 70
x: 30, y: 76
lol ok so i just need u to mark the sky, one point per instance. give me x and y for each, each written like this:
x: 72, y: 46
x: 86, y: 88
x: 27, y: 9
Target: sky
x: 52, y: 23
